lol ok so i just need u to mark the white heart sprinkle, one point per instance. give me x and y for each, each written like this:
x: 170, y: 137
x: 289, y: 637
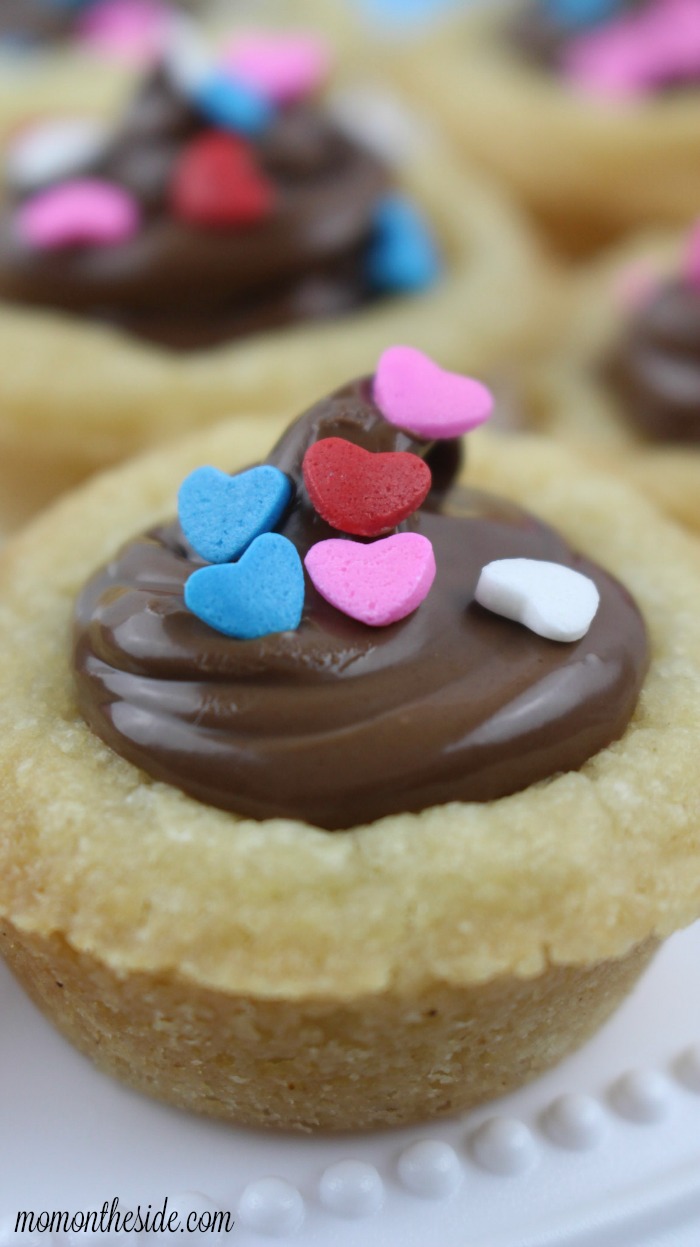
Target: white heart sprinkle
x: 47, y: 150
x: 554, y: 601
x: 380, y: 121
x: 188, y: 62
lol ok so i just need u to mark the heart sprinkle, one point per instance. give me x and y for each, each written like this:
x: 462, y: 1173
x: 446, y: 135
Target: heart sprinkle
x: 377, y: 584
x: 361, y: 492
x: 634, y: 285
x: 415, y: 394
x: 132, y: 31
x: 217, y: 183
x: 186, y: 58
x: 233, y: 105
x: 76, y: 213
x: 221, y: 515
x: 261, y: 594
x: 284, y: 68
x: 645, y: 48
x: 373, y: 117
x: 48, y: 150
x: 551, y: 600
x: 402, y: 255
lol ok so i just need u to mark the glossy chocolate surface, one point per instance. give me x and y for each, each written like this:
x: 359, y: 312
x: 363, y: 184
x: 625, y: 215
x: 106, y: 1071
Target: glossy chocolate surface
x: 338, y: 723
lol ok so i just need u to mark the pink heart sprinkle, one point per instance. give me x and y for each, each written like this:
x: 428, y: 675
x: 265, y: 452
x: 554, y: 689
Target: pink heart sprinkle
x: 133, y: 31
x: 612, y: 63
x: 379, y: 583
x: 672, y: 35
x: 639, y: 51
x: 692, y: 257
x: 285, y: 68
x: 415, y: 394
x: 634, y: 285
x: 79, y: 212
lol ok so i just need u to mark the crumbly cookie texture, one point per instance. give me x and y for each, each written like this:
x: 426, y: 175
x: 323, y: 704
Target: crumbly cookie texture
x: 185, y: 938
x: 75, y: 396
x: 565, y: 397
x: 590, y: 169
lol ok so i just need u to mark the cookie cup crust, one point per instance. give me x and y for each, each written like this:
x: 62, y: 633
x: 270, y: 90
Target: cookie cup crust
x: 274, y: 973
x: 589, y: 168
x: 76, y: 396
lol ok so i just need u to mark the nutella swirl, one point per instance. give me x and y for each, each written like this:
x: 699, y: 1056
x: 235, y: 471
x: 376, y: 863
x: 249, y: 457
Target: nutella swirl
x: 654, y: 370
x: 185, y: 287
x: 337, y: 723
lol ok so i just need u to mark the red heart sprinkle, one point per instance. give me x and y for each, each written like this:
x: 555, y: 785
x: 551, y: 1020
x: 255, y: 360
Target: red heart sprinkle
x: 217, y: 183
x: 361, y: 491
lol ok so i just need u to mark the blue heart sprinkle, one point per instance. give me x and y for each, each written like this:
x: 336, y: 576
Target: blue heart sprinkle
x: 233, y: 105
x: 262, y: 593
x: 577, y: 14
x: 402, y: 255
x: 220, y: 515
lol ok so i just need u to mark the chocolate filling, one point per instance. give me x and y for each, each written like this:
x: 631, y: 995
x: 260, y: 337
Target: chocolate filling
x: 339, y: 724
x: 186, y: 287
x: 654, y: 370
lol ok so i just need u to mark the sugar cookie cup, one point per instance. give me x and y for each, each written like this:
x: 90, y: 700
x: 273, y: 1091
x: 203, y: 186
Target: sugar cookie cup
x: 76, y: 396
x: 70, y: 62
x: 571, y: 398
x: 590, y: 168
x: 219, y: 963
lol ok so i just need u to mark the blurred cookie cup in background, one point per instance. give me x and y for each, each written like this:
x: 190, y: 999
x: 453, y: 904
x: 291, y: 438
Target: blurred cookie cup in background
x: 587, y: 111
x: 240, y: 239
x: 624, y: 385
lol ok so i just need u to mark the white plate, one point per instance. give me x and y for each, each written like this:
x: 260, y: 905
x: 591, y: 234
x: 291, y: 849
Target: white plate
x: 72, y: 1139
